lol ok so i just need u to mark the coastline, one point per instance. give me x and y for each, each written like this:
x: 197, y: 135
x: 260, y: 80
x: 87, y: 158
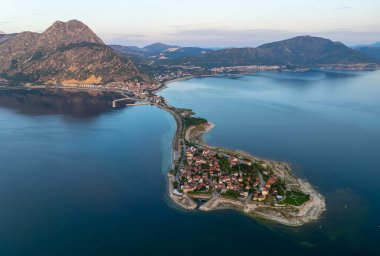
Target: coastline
x: 289, y: 215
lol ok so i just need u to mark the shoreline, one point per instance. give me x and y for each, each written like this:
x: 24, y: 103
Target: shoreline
x: 307, y: 69
x: 289, y: 215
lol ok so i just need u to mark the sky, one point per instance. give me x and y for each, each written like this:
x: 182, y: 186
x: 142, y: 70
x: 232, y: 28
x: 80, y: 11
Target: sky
x: 204, y: 23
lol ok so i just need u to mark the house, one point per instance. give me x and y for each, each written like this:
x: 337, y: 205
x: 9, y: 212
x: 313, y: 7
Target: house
x: 206, y: 152
x: 261, y: 198
x: 244, y: 194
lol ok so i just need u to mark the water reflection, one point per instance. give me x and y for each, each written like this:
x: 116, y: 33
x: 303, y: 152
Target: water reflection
x: 62, y: 102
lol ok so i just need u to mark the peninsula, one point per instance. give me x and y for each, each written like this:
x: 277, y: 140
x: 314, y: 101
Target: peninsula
x: 204, y: 177
x: 210, y: 178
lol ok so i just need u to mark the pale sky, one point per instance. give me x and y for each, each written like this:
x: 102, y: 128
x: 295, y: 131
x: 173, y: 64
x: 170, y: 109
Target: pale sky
x: 207, y: 23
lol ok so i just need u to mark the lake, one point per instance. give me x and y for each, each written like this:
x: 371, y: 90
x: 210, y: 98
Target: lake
x: 79, y: 182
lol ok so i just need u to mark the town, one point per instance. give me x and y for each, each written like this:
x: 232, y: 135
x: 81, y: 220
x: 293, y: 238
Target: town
x: 210, y: 173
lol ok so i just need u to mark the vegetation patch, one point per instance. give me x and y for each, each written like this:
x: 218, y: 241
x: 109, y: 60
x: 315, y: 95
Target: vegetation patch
x: 190, y: 121
x: 296, y: 198
x: 231, y: 194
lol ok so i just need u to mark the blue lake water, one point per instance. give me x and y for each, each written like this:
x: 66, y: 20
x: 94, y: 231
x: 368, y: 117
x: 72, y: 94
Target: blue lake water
x: 73, y: 184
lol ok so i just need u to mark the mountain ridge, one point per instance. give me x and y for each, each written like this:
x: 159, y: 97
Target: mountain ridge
x: 305, y: 51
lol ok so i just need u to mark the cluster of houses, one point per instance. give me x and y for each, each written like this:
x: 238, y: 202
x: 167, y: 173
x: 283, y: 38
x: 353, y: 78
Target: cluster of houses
x: 176, y: 72
x: 170, y: 75
x: 140, y: 89
x: 264, y: 191
x: 245, y: 69
x: 206, y: 171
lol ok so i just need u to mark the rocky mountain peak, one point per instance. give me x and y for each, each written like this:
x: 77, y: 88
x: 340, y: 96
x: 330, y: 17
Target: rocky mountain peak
x: 65, y: 33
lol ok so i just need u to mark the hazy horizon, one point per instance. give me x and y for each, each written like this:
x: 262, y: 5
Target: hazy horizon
x: 240, y: 23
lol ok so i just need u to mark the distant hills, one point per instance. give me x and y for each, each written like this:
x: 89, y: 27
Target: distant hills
x: 377, y: 44
x: 157, y: 48
x: 160, y: 51
x: 302, y: 51
x: 372, y: 50
x: 66, y: 53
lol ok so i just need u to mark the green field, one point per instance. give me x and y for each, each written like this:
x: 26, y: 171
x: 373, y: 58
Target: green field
x: 231, y: 194
x: 295, y: 198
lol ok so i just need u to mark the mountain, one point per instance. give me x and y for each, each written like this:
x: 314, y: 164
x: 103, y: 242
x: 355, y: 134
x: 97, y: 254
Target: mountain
x: 4, y: 36
x: 129, y: 50
x: 307, y: 50
x: 156, y: 52
x: 371, y: 52
x: 377, y: 44
x: 302, y: 51
x: 182, y: 52
x: 67, y: 52
x: 62, y: 34
x: 157, y: 48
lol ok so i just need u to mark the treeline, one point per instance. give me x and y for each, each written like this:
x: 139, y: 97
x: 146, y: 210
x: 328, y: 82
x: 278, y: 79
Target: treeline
x: 190, y: 121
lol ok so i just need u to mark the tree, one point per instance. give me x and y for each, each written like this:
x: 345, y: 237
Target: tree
x: 175, y: 184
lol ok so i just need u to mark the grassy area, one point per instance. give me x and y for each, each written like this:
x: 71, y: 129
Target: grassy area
x: 296, y: 198
x: 189, y: 121
x: 231, y: 194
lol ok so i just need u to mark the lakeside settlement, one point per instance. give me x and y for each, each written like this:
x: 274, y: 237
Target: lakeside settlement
x: 210, y: 178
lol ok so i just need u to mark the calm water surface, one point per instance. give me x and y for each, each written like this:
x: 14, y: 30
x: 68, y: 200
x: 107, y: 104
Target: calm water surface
x: 79, y: 184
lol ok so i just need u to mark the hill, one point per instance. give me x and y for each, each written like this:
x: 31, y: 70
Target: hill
x: 377, y: 44
x: 371, y: 52
x: 160, y: 51
x: 305, y: 51
x: 67, y: 52
x: 157, y: 48
x: 4, y: 37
